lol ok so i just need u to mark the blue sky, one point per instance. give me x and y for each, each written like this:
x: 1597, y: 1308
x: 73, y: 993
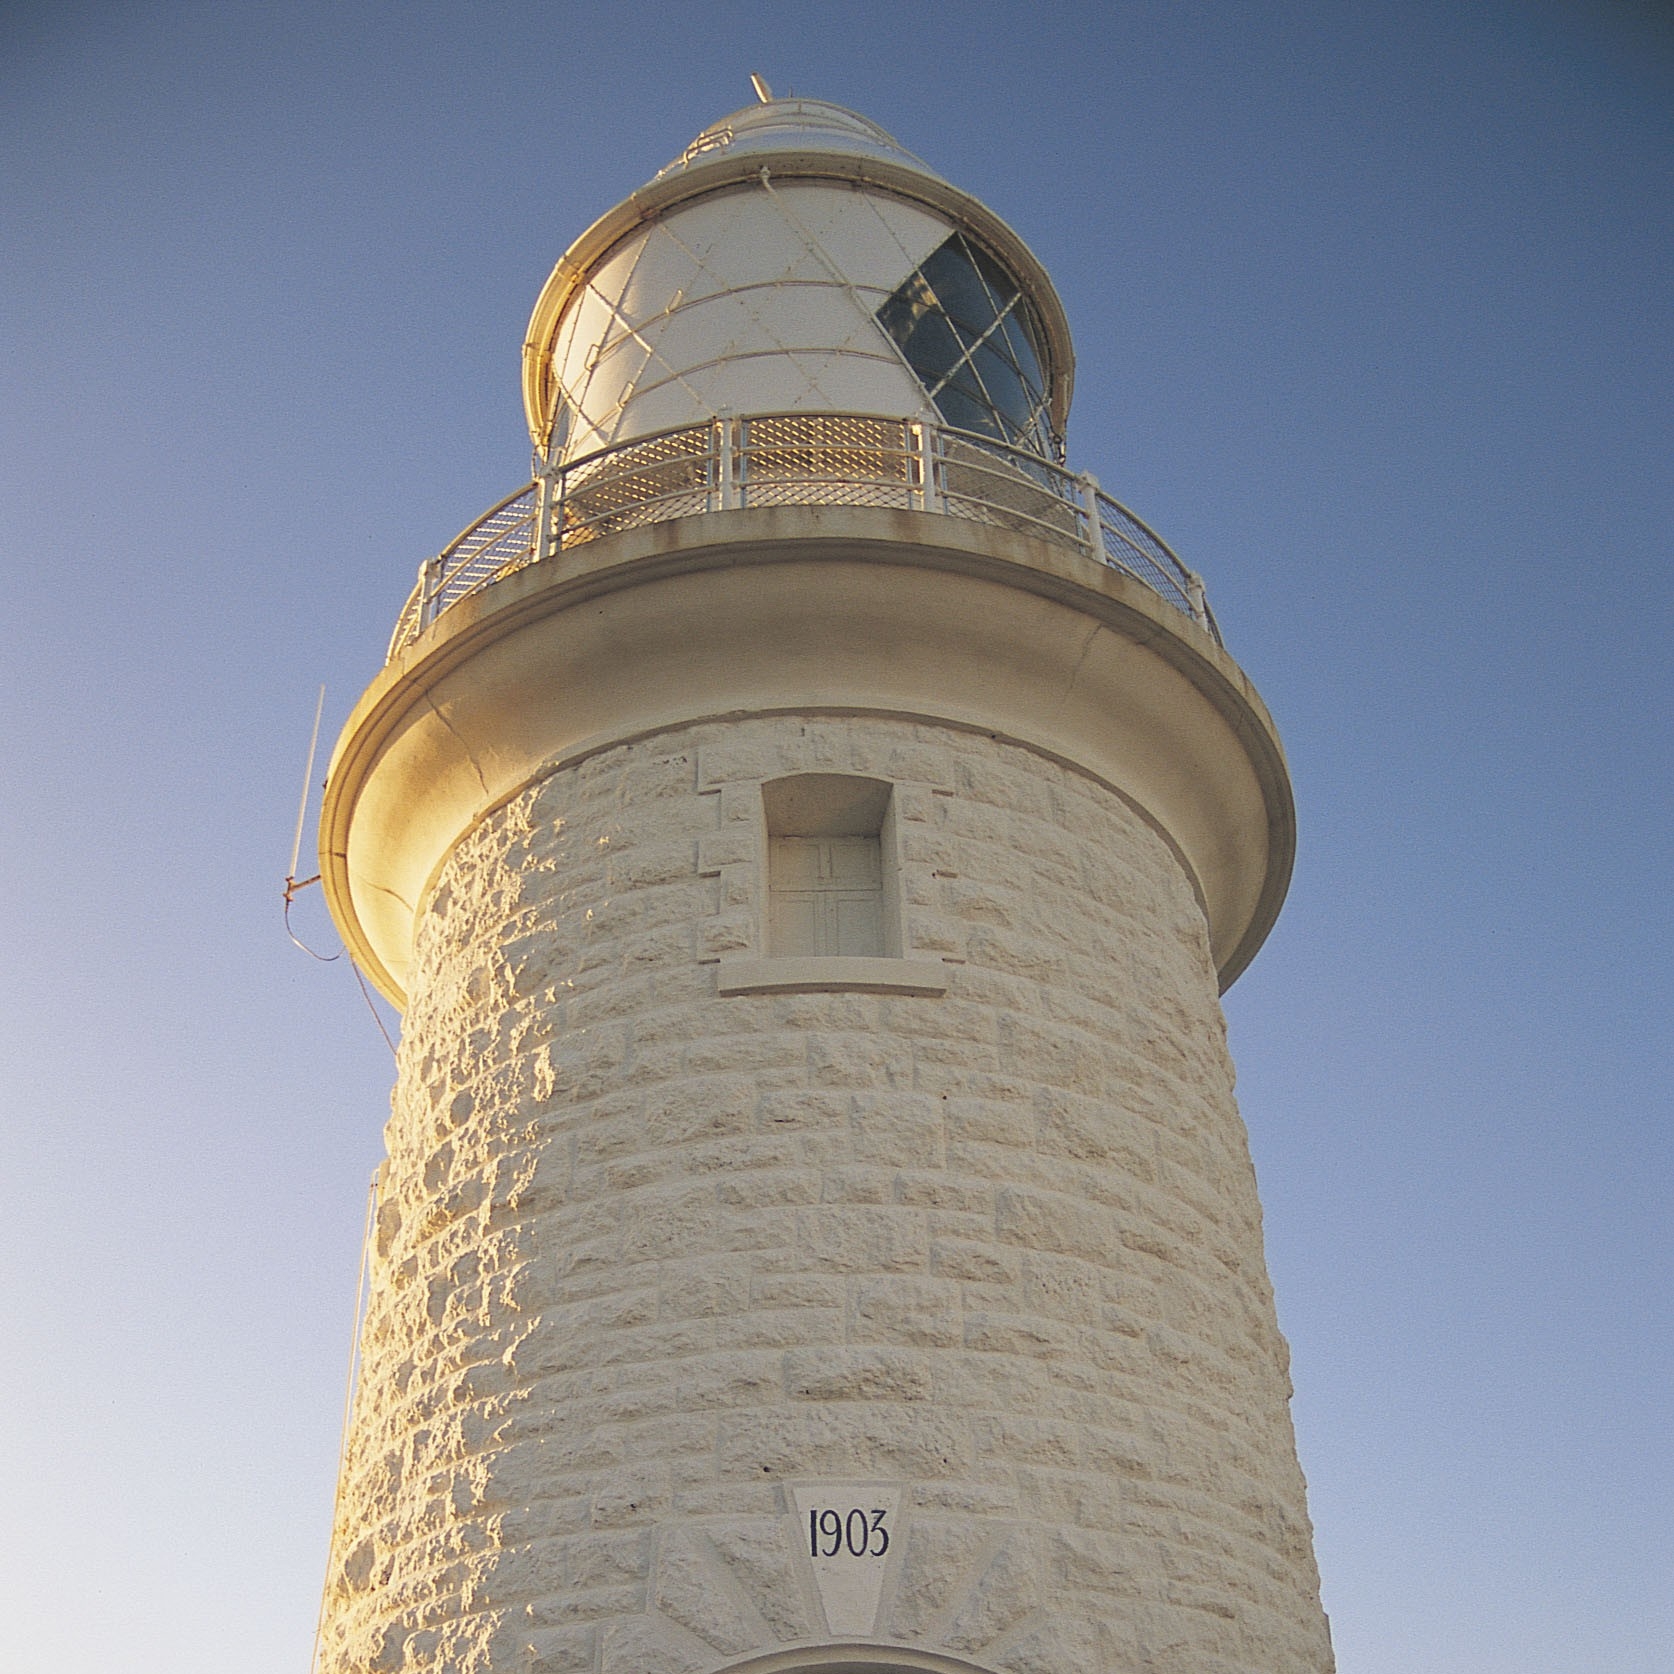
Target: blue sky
x: 1375, y: 322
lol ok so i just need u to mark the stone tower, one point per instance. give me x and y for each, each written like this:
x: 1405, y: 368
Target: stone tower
x: 806, y: 830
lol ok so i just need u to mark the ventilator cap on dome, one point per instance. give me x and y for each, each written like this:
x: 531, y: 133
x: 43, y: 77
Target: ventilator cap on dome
x: 793, y: 125
x: 796, y: 258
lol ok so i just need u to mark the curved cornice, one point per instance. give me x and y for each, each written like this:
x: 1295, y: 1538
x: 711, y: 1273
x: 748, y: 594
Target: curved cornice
x: 805, y: 609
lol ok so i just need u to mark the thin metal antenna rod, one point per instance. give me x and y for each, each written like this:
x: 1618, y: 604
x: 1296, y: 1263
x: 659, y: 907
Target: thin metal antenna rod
x: 362, y: 1286
x: 307, y: 785
x: 292, y: 882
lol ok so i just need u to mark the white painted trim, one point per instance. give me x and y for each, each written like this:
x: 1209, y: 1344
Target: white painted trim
x: 817, y: 974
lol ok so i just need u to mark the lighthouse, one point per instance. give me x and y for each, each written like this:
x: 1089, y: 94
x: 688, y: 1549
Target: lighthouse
x: 806, y: 829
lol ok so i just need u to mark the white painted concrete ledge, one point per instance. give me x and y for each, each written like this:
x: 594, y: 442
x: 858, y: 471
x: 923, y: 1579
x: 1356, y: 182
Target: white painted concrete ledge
x: 826, y: 974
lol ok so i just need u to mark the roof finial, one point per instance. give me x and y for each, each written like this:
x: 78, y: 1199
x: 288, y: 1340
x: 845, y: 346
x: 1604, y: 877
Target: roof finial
x: 763, y: 91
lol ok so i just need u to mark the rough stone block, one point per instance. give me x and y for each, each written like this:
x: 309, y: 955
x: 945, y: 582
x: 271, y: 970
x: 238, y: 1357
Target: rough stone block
x: 690, y: 1593
x: 755, y: 1551
x: 857, y: 1374
x: 1006, y: 1591
x: 862, y: 1238
x: 920, y: 1314
x: 900, y: 1129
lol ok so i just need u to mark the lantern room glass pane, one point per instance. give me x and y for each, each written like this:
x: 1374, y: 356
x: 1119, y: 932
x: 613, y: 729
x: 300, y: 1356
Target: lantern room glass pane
x: 997, y: 279
x: 959, y: 289
x: 933, y: 350
x: 1004, y: 384
x: 1024, y: 352
x: 963, y: 325
x: 966, y: 412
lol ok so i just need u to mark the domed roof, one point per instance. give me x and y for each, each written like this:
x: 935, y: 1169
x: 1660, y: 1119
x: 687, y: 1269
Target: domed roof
x: 783, y: 291
x: 793, y: 125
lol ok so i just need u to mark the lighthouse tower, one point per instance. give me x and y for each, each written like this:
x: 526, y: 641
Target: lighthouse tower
x: 807, y: 829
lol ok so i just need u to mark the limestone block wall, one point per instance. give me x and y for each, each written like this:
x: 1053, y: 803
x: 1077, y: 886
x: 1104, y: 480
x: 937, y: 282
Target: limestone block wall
x: 660, y: 1272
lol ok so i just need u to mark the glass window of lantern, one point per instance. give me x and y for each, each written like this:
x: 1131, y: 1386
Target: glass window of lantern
x: 963, y: 325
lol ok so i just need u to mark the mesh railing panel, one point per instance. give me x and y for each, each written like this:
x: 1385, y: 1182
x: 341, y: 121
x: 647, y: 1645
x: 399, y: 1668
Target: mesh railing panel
x: 818, y: 447
x: 503, y: 539
x: 1129, y: 545
x: 800, y: 459
x: 650, y: 481
x: 988, y: 486
x: 408, y: 626
x: 830, y: 492
x: 582, y: 520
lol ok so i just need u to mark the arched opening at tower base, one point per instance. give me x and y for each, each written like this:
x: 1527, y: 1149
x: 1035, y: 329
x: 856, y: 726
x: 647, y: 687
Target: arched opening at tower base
x: 855, y: 1658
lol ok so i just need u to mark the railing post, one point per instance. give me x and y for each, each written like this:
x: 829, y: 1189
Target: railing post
x: 722, y: 441
x: 924, y: 437
x: 430, y: 585
x: 550, y: 523
x: 1196, y: 598
x: 540, y: 546
x: 1094, y: 532
x: 555, y: 511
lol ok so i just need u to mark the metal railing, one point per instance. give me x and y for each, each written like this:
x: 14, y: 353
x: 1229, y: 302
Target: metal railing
x: 796, y: 459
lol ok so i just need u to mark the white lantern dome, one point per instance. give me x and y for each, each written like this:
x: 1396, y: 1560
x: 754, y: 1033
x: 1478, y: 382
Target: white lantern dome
x: 796, y: 258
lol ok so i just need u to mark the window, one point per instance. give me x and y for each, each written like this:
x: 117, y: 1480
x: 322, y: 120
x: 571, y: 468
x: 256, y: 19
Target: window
x: 826, y: 878
x: 965, y: 328
x: 830, y: 896
x: 825, y: 896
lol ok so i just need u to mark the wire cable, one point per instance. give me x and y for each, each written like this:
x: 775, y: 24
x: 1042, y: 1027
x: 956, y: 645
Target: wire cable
x: 291, y: 887
x: 366, y: 994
